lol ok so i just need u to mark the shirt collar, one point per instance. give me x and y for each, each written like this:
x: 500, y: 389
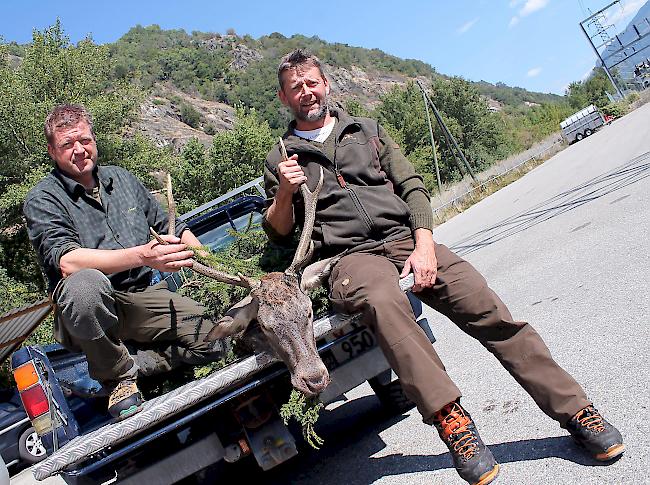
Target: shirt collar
x: 344, y: 121
x: 75, y: 189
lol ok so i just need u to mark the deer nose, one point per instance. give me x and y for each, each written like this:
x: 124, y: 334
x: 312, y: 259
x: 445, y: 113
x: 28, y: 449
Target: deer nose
x: 317, y: 383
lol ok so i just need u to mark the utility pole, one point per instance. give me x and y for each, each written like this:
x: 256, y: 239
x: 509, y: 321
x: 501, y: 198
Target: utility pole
x: 451, y: 141
x: 433, y: 142
x: 602, y: 32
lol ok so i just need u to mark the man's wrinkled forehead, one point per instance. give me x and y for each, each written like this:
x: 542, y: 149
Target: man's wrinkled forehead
x: 65, y: 129
x: 302, y: 72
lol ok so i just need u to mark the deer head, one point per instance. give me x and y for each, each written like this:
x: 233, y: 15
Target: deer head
x: 283, y: 311
x: 279, y: 304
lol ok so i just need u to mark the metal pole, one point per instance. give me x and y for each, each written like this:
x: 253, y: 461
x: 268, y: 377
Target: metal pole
x: 448, y: 134
x: 433, y: 142
x: 609, y: 75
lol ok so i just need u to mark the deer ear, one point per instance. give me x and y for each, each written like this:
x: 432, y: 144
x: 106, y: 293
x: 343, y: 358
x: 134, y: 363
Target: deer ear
x: 236, y: 320
x: 315, y: 273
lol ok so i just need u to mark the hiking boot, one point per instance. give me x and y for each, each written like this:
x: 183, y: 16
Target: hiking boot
x: 472, y: 459
x: 125, y: 399
x: 590, y: 431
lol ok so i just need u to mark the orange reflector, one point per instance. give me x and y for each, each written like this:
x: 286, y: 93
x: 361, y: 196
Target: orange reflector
x: 25, y: 376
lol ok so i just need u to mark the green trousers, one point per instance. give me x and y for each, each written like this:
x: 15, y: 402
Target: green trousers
x: 161, y: 328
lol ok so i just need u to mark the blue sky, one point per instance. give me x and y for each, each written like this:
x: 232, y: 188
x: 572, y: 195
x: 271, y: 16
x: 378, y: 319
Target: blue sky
x: 535, y: 44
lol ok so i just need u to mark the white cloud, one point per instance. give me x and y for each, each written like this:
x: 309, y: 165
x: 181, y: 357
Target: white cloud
x: 627, y: 10
x: 466, y: 26
x: 530, y: 6
x: 534, y: 72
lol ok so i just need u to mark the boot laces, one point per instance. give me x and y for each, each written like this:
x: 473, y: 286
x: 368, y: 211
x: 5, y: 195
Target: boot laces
x: 591, y: 419
x: 455, y: 429
x: 123, y: 389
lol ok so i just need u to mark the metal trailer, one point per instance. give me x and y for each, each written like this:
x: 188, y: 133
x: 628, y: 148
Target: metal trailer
x: 582, y: 124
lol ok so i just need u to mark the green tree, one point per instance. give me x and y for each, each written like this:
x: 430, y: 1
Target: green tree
x: 52, y: 72
x: 478, y: 132
x: 593, y: 90
x: 238, y: 156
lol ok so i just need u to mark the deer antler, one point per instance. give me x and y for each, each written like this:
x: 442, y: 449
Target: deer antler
x: 200, y: 268
x: 305, y: 247
x: 171, y: 206
x: 210, y: 272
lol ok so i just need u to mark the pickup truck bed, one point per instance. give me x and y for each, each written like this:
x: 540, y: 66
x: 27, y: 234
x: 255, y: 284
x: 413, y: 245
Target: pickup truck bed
x: 160, y: 409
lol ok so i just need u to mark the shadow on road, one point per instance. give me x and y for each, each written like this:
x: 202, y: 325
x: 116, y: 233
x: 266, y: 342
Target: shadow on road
x: 618, y: 178
x: 352, y: 438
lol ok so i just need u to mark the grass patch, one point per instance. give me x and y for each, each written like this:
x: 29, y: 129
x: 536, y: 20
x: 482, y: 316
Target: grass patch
x: 481, y: 190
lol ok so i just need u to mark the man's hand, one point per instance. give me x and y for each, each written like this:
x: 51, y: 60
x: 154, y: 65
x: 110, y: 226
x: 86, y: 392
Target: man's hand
x: 422, y: 262
x: 167, y: 257
x: 290, y: 175
x: 280, y: 213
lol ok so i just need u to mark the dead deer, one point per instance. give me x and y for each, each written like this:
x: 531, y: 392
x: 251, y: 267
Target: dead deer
x: 279, y: 303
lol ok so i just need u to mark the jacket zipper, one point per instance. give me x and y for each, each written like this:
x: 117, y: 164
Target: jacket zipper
x: 353, y: 195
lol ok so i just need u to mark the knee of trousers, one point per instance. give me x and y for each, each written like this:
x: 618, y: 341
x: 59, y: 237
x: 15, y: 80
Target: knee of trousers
x: 390, y: 315
x: 202, y: 353
x: 86, y: 304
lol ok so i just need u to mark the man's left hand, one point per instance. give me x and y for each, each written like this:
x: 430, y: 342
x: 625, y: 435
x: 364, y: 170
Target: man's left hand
x: 422, y: 262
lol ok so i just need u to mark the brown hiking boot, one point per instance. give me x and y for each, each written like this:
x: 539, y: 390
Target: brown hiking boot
x: 125, y: 399
x: 472, y: 459
x: 590, y: 431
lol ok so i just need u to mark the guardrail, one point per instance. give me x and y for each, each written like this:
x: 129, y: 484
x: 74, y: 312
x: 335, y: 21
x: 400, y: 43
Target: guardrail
x: 474, y: 188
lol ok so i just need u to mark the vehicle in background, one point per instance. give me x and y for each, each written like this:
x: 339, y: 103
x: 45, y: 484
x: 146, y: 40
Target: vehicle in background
x: 19, y: 443
x: 582, y: 124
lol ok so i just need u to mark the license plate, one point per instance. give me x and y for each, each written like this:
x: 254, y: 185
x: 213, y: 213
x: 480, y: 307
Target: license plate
x: 359, y: 340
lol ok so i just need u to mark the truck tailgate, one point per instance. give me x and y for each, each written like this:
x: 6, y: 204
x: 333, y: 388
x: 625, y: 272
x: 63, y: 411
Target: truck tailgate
x: 162, y: 407
x: 158, y: 409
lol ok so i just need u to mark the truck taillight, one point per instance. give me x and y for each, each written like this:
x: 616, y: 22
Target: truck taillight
x: 32, y: 394
x: 25, y: 376
x: 35, y: 402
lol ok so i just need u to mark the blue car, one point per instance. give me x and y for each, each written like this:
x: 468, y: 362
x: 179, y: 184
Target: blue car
x: 19, y: 443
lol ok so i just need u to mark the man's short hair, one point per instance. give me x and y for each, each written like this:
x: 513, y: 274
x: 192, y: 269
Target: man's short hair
x: 298, y: 57
x: 66, y: 115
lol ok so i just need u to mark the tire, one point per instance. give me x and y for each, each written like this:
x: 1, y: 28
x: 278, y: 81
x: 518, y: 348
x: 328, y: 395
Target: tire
x: 30, y: 448
x: 391, y: 396
x: 589, y: 132
x: 579, y: 136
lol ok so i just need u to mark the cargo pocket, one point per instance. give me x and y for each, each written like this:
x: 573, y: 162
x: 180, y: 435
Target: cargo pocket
x: 342, y: 293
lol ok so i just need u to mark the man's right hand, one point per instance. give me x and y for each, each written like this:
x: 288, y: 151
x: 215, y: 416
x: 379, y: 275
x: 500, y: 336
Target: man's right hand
x: 291, y: 175
x: 167, y: 257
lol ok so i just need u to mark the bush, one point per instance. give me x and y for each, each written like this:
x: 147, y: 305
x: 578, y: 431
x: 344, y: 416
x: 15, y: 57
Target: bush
x: 616, y: 110
x: 190, y: 116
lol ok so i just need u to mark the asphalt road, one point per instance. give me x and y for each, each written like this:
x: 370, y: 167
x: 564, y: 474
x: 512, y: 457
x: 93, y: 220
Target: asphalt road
x: 566, y: 247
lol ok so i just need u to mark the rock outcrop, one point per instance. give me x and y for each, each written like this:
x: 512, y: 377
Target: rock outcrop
x: 161, y: 118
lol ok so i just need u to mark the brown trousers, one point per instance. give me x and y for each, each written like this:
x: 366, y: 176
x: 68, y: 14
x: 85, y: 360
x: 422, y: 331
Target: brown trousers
x: 163, y: 328
x: 367, y: 282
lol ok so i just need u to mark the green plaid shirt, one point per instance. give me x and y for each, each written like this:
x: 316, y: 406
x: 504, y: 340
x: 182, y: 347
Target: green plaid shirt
x: 62, y: 217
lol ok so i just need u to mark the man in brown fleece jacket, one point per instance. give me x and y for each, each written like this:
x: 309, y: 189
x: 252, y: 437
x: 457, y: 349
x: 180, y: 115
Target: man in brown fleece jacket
x: 375, y: 210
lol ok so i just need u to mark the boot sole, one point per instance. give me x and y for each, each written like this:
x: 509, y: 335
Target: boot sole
x: 611, y: 453
x: 489, y: 476
x: 128, y: 412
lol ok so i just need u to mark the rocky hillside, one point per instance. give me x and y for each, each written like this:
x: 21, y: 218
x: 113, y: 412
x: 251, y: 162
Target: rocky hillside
x: 162, y: 117
x: 195, y: 80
